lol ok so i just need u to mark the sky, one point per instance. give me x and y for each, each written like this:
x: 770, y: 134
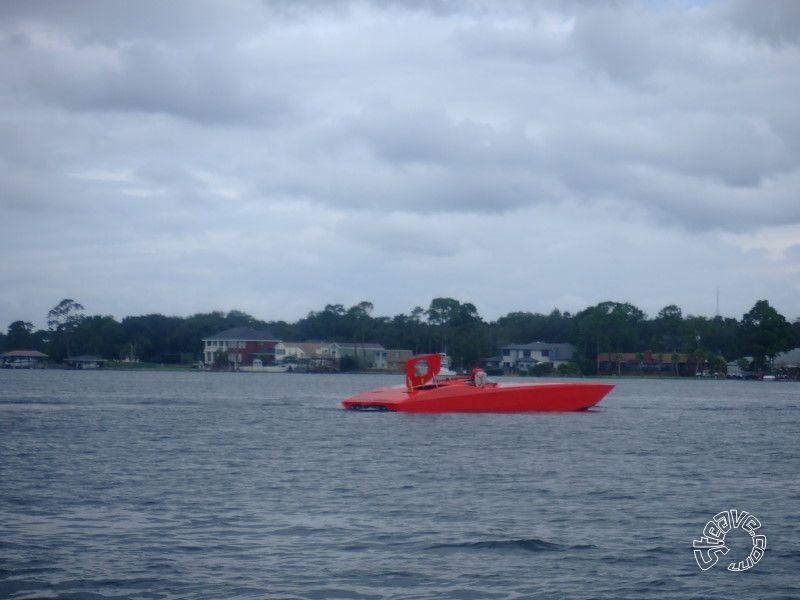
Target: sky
x: 275, y: 157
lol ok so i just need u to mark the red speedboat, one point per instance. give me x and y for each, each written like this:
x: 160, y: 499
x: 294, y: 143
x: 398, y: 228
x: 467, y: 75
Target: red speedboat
x: 426, y: 392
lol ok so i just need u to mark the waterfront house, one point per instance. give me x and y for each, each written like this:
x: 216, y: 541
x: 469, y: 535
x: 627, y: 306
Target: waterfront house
x: 396, y: 359
x: 786, y: 365
x: 310, y: 354
x: 23, y: 359
x: 85, y: 361
x: 522, y: 357
x: 240, y: 344
x: 493, y: 365
x: 643, y: 363
x: 734, y: 369
x: 366, y: 355
x: 787, y: 360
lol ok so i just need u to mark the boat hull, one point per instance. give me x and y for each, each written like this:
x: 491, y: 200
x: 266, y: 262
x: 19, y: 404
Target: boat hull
x: 497, y: 398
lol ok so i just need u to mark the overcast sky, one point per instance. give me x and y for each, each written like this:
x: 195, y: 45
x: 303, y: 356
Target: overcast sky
x: 188, y: 156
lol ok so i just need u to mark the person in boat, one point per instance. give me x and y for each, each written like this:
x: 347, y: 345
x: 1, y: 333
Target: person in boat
x: 478, y: 377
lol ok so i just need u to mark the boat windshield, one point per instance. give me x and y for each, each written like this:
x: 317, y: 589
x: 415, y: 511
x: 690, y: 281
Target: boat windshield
x: 421, y: 368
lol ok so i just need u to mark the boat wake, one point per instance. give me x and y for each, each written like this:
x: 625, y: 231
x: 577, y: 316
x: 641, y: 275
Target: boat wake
x: 512, y: 545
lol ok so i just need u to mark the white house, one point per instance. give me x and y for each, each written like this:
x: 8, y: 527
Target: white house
x: 520, y: 357
x: 370, y: 356
x: 787, y: 360
x: 308, y: 353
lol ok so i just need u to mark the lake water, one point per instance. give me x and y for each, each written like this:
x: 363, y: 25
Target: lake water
x: 220, y: 485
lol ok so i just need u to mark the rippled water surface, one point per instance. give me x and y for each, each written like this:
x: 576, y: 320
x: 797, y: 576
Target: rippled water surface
x: 214, y: 485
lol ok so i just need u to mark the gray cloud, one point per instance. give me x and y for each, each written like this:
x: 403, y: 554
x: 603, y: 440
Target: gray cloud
x: 320, y: 142
x: 776, y: 22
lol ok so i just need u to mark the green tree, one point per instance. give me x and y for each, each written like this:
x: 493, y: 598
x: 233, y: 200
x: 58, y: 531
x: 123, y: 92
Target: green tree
x: 442, y: 315
x: 542, y: 369
x: 570, y: 368
x: 358, y: 321
x: 99, y: 335
x: 443, y: 312
x: 155, y: 337
x: 607, y: 327
x: 238, y: 318
x: 20, y: 336
x: 62, y: 321
x: 324, y: 325
x: 744, y: 364
x: 408, y: 332
x: 699, y: 358
x: 717, y: 364
x: 667, y: 329
x: 461, y: 331
x: 524, y: 327
x: 675, y: 358
x: 765, y: 333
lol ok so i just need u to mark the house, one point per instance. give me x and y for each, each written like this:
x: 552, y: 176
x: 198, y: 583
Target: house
x: 790, y: 359
x: 326, y: 356
x: 521, y: 357
x: 396, y: 359
x: 85, y: 361
x: 240, y: 344
x: 643, y: 363
x: 788, y: 363
x: 309, y: 354
x: 734, y: 370
x: 23, y: 359
x: 367, y: 355
x: 493, y: 365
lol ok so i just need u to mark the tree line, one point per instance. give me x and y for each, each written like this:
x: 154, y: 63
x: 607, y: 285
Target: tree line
x: 445, y: 325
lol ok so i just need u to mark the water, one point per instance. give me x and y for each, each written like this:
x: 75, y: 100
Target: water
x: 209, y: 485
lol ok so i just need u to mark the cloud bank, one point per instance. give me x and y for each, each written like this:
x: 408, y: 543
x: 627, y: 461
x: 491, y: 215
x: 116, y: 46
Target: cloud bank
x: 190, y: 156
